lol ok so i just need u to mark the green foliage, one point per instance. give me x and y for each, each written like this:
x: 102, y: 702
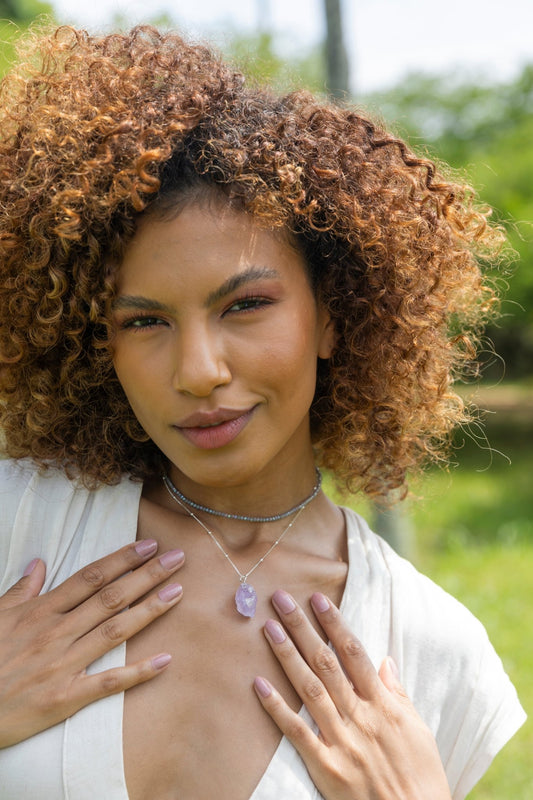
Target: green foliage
x: 23, y: 10
x: 495, y: 583
x: 484, y: 131
x: 15, y: 16
x: 258, y: 57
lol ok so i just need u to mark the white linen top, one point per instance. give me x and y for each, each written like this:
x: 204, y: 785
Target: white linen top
x: 446, y: 662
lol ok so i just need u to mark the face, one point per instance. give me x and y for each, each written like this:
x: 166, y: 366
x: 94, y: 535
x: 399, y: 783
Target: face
x: 217, y: 338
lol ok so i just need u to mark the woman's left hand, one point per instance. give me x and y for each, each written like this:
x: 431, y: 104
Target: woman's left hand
x: 372, y: 744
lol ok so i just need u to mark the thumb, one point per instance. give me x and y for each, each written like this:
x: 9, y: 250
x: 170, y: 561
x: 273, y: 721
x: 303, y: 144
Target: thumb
x: 390, y: 676
x: 27, y: 587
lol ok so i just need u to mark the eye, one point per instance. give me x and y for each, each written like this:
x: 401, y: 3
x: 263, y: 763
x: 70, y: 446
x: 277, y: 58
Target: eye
x: 249, y: 303
x: 141, y: 323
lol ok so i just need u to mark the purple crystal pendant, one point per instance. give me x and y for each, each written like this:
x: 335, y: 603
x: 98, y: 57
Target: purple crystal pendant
x: 246, y: 600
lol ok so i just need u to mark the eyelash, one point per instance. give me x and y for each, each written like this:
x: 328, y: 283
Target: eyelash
x: 146, y: 321
x: 251, y: 302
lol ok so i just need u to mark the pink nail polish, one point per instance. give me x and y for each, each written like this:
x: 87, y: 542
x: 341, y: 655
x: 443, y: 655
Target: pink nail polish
x: 31, y: 566
x: 275, y: 631
x: 262, y: 687
x: 393, y: 668
x: 146, y: 547
x: 172, y: 559
x: 319, y: 602
x: 283, y: 602
x: 160, y: 661
x: 168, y: 593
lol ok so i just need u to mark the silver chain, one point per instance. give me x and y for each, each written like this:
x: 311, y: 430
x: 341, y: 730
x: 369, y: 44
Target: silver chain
x: 242, y: 577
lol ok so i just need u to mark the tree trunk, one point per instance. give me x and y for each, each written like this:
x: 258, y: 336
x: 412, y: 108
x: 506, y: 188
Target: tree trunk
x: 337, y: 67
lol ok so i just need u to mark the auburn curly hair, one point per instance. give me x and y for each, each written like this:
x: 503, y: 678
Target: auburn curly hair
x: 97, y: 130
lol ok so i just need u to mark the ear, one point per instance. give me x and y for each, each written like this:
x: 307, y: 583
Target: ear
x: 327, y: 338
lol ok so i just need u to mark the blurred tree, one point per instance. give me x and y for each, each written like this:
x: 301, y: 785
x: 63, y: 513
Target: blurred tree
x: 485, y: 131
x: 337, y: 64
x: 23, y: 10
x: 258, y: 56
x: 15, y: 16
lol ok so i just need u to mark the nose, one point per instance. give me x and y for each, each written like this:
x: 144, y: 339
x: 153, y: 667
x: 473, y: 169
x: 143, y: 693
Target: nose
x: 200, y: 362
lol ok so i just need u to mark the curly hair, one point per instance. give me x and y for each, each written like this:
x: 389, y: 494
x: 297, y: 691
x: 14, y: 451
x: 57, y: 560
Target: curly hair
x: 98, y: 130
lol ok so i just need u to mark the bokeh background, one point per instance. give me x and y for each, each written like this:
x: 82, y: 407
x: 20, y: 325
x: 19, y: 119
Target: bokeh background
x: 456, y: 79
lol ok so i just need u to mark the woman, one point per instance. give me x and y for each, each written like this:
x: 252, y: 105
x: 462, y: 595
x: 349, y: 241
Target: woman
x: 206, y: 292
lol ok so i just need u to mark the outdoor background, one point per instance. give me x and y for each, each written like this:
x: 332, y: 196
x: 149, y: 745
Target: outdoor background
x: 457, y: 80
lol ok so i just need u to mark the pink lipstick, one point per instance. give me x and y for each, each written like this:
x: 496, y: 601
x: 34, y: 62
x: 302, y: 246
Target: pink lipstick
x: 209, y: 431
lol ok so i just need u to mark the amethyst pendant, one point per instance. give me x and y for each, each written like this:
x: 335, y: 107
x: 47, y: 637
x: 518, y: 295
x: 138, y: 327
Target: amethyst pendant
x: 246, y: 600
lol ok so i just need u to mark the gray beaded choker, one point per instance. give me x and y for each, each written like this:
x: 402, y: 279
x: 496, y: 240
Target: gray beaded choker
x: 175, y: 492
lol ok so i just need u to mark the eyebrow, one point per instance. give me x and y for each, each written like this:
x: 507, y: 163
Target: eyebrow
x: 139, y: 303
x: 238, y: 280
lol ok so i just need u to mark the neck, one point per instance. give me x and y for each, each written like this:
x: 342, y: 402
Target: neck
x: 194, y: 506
x: 267, y: 497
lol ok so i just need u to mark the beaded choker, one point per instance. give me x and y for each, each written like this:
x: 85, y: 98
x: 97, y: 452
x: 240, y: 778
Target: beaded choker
x: 245, y: 596
x: 177, y: 495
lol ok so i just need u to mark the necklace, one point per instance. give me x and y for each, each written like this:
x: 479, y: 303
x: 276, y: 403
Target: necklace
x: 245, y: 596
x: 177, y: 495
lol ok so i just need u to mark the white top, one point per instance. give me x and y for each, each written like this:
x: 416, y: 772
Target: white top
x: 447, y: 664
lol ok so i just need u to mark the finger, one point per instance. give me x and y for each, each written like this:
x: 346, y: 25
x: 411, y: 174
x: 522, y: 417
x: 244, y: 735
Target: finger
x: 27, y: 587
x: 349, y: 649
x: 388, y: 672
x: 309, y: 687
x: 390, y: 677
x: 90, y: 688
x: 95, y: 576
x: 121, y: 627
x: 123, y: 592
x: 316, y: 652
x: 290, y: 724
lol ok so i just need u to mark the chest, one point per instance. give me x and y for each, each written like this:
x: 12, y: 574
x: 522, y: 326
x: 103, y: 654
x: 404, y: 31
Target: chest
x: 198, y: 729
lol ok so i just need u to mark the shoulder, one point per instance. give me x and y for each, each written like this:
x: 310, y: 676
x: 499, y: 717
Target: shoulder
x: 417, y: 606
x: 433, y: 633
x: 26, y: 487
x: 45, y: 514
x: 447, y: 664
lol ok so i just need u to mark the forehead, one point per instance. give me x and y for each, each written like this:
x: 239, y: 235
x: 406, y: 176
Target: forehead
x: 205, y: 240
x: 214, y: 204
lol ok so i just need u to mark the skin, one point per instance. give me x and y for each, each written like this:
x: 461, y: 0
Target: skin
x: 255, y: 348
x: 213, y: 313
x: 48, y: 641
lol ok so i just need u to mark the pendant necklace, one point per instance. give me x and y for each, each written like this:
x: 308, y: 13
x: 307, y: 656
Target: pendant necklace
x: 245, y: 596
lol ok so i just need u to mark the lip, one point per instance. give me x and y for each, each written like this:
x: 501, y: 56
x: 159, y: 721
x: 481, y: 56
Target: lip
x: 209, y: 430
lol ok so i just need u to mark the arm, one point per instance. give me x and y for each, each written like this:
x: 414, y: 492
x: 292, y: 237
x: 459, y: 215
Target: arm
x: 47, y: 641
x: 372, y: 743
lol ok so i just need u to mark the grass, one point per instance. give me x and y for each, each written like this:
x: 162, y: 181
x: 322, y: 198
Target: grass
x: 472, y: 532
x: 494, y: 581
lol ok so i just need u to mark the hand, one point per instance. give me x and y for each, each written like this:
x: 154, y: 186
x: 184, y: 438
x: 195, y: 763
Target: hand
x: 47, y: 641
x: 372, y: 744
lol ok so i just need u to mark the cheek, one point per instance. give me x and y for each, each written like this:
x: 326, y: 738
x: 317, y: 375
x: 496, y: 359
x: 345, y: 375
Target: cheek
x: 289, y: 358
x: 131, y: 375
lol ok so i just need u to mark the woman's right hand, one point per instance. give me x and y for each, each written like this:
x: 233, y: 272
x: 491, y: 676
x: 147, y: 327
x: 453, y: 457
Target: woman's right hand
x: 47, y: 641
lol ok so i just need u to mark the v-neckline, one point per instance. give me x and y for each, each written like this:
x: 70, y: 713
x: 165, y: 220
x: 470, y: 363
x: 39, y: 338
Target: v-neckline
x: 284, y: 747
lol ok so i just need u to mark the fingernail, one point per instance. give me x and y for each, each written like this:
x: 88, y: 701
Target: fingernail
x: 168, y: 593
x: 146, y: 547
x: 172, y: 559
x: 31, y: 566
x: 283, y: 602
x: 262, y: 687
x: 275, y: 631
x: 160, y: 661
x: 319, y: 602
x: 393, y: 668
